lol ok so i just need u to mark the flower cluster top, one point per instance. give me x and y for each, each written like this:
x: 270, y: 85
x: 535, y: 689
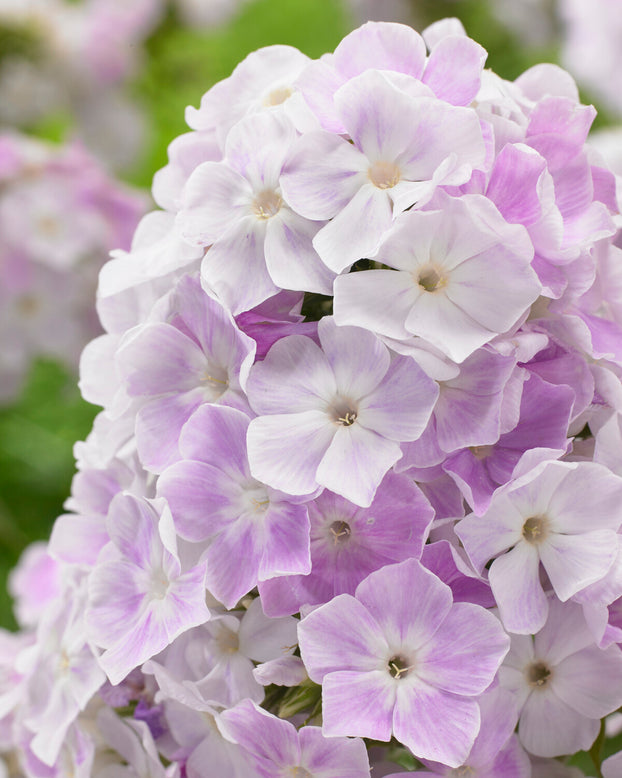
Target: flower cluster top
x: 354, y: 498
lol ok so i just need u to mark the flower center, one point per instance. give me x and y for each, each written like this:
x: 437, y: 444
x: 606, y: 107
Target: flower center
x: 481, y: 452
x: 384, y: 175
x: 255, y: 499
x: 227, y: 641
x: 430, y: 279
x: 28, y: 305
x: 340, y: 532
x: 300, y: 772
x: 462, y: 771
x: 215, y: 382
x: 267, y: 204
x: 538, y: 675
x: 278, y: 96
x: 158, y: 585
x: 343, y: 412
x: 399, y: 667
x: 535, y: 529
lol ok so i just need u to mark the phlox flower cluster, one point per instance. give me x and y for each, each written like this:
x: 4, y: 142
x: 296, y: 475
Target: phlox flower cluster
x: 60, y: 214
x: 353, y: 502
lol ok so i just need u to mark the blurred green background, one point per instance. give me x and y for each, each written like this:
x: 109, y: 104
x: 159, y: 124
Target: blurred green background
x: 37, y: 433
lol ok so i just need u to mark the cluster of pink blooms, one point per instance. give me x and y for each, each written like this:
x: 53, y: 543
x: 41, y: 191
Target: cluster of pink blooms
x: 60, y: 214
x: 355, y: 494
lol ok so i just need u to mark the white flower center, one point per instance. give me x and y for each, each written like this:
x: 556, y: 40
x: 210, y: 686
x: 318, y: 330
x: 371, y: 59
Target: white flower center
x: 255, y: 498
x: 227, y: 641
x: 278, y: 96
x: 267, y: 204
x: 215, y: 381
x: 300, y: 772
x: 384, y: 175
x: 158, y: 584
x: 536, y: 529
x: 431, y: 278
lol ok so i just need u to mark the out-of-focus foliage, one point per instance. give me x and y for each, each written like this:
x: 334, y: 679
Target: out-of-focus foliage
x: 36, y: 462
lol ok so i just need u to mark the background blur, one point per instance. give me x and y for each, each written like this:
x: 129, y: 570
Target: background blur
x: 59, y: 79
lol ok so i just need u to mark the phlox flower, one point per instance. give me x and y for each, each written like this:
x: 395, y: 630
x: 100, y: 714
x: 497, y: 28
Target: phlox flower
x: 60, y: 673
x: 389, y: 662
x: 334, y: 416
x: 133, y: 743
x: 257, y: 243
x: 195, y: 742
x: 542, y: 424
x: 397, y: 48
x: 213, y: 663
x: 277, y: 750
x: 563, y: 683
x: 133, y: 281
x: 403, y: 147
x: 185, y: 153
x: 561, y: 515
x: 34, y: 584
x: 459, y: 276
x: 79, y: 536
x: 468, y: 411
x: 198, y: 355
x: 263, y: 82
x: 217, y: 502
x: 140, y: 599
x: 349, y: 542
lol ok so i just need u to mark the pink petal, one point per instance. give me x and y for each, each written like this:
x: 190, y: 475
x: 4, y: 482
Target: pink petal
x: 285, y: 450
x: 453, y: 70
x: 235, y: 268
x: 515, y: 582
x: 469, y: 665
x: 355, y: 462
x: 341, y: 635
x: 435, y: 725
x: 291, y: 260
x: 294, y: 377
x: 358, y: 704
x: 573, y: 562
x: 356, y: 231
x: 215, y: 198
x: 390, y: 594
x: 590, y: 681
x: 548, y: 727
x: 378, y: 300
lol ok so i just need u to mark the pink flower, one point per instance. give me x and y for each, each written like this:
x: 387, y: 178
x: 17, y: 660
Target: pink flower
x: 389, y: 663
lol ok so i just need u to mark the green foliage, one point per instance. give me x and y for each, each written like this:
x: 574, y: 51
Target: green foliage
x: 36, y: 463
